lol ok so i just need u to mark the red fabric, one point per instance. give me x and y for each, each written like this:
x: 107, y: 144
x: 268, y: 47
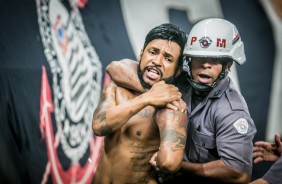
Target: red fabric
x: 81, y: 3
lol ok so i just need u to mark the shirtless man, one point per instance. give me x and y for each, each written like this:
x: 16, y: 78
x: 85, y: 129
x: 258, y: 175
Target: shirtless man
x: 140, y: 134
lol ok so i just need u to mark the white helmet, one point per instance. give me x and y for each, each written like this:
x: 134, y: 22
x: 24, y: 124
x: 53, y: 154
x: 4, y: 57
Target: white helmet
x: 215, y: 37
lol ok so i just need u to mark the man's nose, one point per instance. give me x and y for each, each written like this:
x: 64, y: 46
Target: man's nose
x: 158, y: 60
x: 206, y: 64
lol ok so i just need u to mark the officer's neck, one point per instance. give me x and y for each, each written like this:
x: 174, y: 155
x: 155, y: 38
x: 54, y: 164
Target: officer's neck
x: 200, y: 93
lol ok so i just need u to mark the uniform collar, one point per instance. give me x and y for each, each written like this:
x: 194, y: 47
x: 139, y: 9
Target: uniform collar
x: 216, y: 92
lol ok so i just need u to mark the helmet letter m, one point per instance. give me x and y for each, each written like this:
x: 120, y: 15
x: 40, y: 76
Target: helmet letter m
x: 221, y: 43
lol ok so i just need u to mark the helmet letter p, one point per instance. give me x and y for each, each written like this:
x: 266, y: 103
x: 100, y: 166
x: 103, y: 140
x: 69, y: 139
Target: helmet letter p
x: 193, y: 39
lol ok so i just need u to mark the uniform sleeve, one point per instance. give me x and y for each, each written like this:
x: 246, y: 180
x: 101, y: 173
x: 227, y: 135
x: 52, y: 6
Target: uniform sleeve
x: 234, y: 139
x: 274, y: 174
x: 235, y: 131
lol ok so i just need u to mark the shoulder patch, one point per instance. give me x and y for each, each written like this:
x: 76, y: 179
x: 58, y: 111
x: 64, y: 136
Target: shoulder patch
x: 241, y: 125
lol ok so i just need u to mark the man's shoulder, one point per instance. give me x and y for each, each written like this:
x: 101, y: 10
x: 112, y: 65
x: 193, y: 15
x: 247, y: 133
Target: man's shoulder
x: 236, y: 99
x: 230, y: 96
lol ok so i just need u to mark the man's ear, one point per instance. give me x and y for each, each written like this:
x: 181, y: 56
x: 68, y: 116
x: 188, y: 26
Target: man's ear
x: 178, y: 71
x: 140, y: 55
x: 229, y: 67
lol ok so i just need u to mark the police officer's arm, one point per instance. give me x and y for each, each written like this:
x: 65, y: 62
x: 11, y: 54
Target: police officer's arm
x: 234, y: 148
x: 124, y: 74
x: 172, y: 126
x: 111, y: 115
x: 216, y: 171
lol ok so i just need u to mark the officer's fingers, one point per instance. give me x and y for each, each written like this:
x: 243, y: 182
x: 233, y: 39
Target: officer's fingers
x: 258, y: 160
x: 256, y: 148
x: 183, y: 104
x: 180, y: 105
x: 257, y: 154
x: 277, y: 140
x: 177, y: 104
x: 262, y: 144
x: 171, y: 106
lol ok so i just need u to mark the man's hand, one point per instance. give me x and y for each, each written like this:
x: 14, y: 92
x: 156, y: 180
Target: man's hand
x: 177, y: 105
x: 124, y: 73
x: 162, y: 175
x: 265, y: 151
x: 161, y: 94
x: 153, y: 162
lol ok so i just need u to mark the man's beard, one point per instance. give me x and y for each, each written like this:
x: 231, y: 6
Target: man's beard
x: 170, y: 80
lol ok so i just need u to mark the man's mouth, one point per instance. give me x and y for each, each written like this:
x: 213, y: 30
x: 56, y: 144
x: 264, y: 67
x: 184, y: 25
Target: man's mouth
x: 153, y: 73
x: 204, y: 79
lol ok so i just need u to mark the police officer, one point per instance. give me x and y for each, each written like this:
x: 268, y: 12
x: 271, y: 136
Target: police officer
x: 220, y: 129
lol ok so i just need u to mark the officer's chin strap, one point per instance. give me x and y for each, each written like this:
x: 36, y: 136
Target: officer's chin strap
x: 203, y: 87
x: 200, y: 87
x: 206, y: 88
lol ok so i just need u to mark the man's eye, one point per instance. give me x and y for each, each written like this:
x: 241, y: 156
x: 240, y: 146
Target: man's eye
x: 168, y: 59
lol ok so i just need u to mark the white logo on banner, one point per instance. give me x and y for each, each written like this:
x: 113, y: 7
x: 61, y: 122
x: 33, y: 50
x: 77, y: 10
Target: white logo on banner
x: 76, y: 72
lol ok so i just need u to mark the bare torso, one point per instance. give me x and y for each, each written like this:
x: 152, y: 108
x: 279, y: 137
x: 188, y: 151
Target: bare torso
x: 126, y: 152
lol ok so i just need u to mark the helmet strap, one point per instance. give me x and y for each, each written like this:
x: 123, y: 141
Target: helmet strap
x: 202, y: 87
x: 223, y: 73
x: 199, y: 87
